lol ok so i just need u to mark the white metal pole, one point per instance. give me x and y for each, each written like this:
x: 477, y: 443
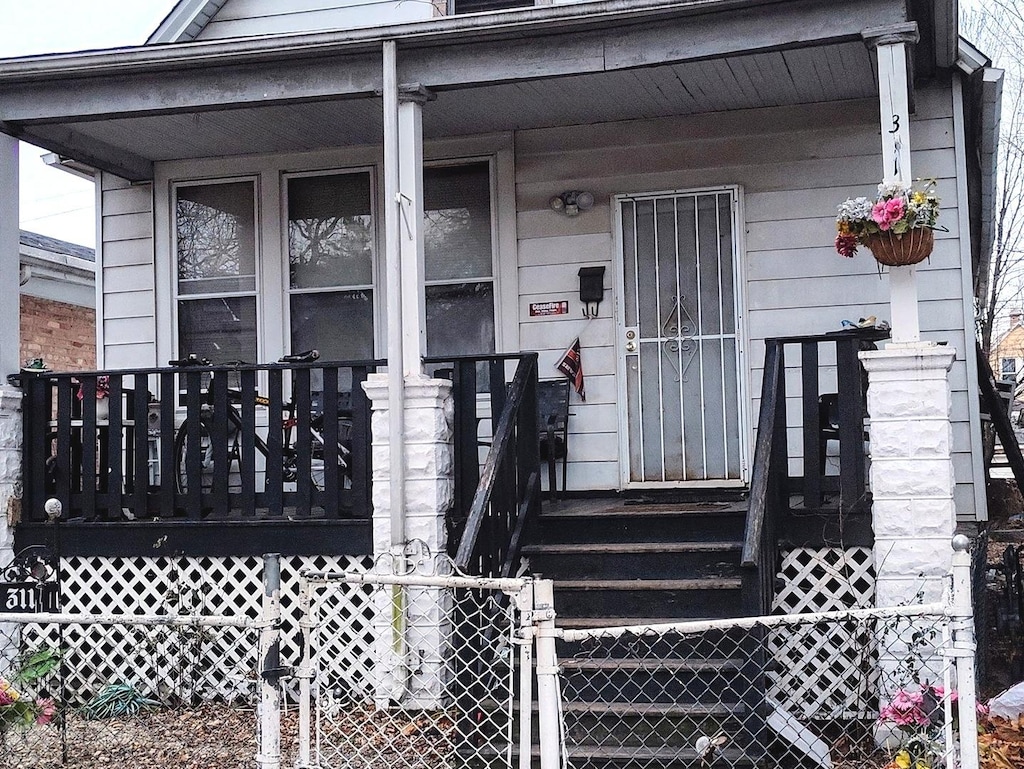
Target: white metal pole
x: 548, y: 694
x: 527, y: 634
x: 269, y: 756
x: 305, y: 673
x: 410, y: 181
x: 393, y: 272
x: 964, y: 649
x: 10, y: 256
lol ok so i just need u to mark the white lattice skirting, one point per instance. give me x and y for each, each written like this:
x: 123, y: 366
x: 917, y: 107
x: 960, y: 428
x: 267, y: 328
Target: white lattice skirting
x: 824, y: 672
x: 204, y: 663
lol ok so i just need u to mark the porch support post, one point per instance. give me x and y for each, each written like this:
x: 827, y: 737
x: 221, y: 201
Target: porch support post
x: 912, y: 485
x: 393, y: 271
x: 10, y: 303
x: 894, y: 96
x: 410, y: 184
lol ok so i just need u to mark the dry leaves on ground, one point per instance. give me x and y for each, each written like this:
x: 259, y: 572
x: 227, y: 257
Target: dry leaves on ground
x: 1001, y: 742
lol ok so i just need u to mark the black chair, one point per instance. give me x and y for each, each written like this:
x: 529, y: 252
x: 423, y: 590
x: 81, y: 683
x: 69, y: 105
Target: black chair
x: 553, y: 428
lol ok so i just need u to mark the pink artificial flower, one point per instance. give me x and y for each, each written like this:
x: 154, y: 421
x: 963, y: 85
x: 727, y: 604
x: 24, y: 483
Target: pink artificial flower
x: 905, y: 710
x: 885, y: 213
x: 46, y: 710
x: 940, y: 693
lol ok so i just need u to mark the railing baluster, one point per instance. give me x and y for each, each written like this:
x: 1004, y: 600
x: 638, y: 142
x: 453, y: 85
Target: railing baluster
x: 851, y: 425
x: 813, y: 462
x: 168, y: 472
x: 221, y: 446
x: 361, y: 456
x: 138, y: 403
x: 303, y: 443
x: 247, y: 444
x: 89, y: 439
x: 275, y: 462
x: 193, y: 447
x: 69, y: 451
x: 111, y: 458
x: 331, y: 500
x: 37, y: 428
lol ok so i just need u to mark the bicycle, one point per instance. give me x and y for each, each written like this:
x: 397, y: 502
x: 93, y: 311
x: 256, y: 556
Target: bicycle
x: 290, y: 449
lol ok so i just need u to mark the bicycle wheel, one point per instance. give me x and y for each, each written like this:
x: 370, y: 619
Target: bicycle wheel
x: 205, y: 458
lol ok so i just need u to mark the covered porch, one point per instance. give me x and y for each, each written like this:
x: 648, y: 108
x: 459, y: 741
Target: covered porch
x: 442, y: 144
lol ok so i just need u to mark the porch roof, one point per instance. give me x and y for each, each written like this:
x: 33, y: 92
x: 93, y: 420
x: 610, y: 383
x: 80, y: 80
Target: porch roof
x: 124, y: 109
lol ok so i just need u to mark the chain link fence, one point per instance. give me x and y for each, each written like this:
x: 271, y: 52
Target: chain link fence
x: 848, y: 691
x: 71, y: 696
x: 410, y: 670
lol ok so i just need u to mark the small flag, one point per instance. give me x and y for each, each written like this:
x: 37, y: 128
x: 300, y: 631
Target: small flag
x: 571, y: 364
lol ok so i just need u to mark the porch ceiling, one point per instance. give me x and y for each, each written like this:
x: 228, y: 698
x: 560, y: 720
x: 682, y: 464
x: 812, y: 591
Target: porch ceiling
x: 826, y: 73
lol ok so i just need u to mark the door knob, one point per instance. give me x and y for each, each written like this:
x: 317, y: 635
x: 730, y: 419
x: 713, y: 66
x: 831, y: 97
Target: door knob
x: 630, y: 346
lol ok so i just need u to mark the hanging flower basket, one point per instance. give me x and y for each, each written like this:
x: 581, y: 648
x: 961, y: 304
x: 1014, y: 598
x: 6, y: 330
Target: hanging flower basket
x: 894, y: 250
x: 897, y: 226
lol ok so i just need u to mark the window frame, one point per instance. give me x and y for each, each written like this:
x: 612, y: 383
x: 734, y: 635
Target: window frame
x: 257, y: 291
x: 375, y: 244
x: 493, y: 278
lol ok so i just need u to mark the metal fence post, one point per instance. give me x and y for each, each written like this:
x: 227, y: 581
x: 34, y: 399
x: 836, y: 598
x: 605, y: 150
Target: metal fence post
x: 305, y: 672
x: 962, y: 613
x: 548, y: 704
x: 527, y: 633
x: 269, y: 756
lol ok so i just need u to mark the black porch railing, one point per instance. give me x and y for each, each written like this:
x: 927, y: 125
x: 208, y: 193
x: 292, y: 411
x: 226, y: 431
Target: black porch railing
x: 496, y: 501
x: 820, y: 419
x: 231, y: 443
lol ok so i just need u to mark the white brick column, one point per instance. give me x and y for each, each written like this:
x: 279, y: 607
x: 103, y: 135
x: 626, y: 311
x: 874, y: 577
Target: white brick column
x: 913, y: 517
x: 413, y: 629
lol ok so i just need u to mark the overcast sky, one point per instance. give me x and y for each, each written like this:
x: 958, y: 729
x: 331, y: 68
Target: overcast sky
x: 55, y: 203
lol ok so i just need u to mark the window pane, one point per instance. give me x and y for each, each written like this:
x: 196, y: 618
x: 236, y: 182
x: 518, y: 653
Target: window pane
x: 216, y: 237
x: 457, y: 214
x: 338, y: 324
x: 460, y: 319
x: 222, y: 330
x: 330, y: 231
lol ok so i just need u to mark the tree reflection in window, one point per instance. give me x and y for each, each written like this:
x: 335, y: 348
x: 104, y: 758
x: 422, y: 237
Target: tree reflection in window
x: 216, y: 238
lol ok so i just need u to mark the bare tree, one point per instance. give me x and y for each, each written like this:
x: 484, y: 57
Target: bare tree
x: 998, y: 31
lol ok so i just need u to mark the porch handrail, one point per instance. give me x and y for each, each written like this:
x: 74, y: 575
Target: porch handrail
x: 193, y: 451
x: 759, y: 542
x: 508, y: 494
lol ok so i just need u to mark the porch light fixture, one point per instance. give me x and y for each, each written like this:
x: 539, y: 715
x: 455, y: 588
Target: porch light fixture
x: 571, y: 202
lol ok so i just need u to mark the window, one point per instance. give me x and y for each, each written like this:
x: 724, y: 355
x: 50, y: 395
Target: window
x: 215, y: 246
x: 459, y: 259
x: 1009, y: 368
x: 330, y: 265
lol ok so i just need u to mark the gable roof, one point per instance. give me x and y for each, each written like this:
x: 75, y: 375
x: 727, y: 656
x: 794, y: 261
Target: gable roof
x: 186, y: 20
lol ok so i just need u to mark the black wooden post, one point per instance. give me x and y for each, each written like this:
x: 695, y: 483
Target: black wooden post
x: 813, y: 465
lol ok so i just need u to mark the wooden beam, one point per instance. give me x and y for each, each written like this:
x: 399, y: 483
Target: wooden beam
x: 121, y: 86
x: 65, y: 141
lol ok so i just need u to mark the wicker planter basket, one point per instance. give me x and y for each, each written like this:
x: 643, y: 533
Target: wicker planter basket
x: 901, y: 250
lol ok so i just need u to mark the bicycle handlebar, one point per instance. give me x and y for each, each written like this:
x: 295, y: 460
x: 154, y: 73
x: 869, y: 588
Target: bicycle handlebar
x: 194, y: 360
x: 300, y: 357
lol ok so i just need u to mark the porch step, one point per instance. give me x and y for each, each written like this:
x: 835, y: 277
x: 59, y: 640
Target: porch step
x: 640, y: 560
x: 724, y: 523
x: 646, y: 699
x: 678, y: 598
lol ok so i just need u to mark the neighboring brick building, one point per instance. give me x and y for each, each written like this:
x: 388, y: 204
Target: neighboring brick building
x: 58, y: 301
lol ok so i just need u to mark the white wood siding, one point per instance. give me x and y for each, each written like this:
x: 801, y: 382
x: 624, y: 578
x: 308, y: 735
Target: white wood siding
x: 128, y: 310
x: 795, y: 164
x: 244, y: 18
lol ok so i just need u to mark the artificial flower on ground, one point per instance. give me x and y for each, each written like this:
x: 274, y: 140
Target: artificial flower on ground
x: 898, y: 208
x: 17, y: 706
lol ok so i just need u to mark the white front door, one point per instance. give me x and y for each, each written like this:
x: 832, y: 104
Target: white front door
x: 678, y: 339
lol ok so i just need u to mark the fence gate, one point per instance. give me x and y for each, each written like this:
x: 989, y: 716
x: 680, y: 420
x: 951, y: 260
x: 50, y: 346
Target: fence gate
x: 414, y: 668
